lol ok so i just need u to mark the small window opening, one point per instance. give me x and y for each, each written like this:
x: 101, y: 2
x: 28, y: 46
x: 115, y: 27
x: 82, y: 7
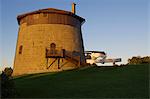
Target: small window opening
x: 53, y: 48
x: 20, y: 49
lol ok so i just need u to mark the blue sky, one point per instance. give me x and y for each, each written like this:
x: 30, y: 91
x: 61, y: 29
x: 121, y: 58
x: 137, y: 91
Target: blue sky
x: 118, y: 27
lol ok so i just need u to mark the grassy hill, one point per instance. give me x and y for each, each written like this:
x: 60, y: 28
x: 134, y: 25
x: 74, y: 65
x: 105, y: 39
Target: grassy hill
x: 93, y: 82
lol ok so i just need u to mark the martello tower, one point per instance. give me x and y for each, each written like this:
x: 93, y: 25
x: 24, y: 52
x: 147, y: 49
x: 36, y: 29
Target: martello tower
x: 49, y: 40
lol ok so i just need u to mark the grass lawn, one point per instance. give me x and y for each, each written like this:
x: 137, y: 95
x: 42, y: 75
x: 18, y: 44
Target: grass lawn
x: 94, y: 82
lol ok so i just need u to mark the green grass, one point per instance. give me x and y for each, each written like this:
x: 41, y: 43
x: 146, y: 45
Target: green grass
x: 93, y: 82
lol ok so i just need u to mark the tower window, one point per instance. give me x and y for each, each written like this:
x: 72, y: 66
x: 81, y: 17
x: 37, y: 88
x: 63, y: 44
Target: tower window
x: 52, y: 45
x: 53, y: 48
x: 20, y: 49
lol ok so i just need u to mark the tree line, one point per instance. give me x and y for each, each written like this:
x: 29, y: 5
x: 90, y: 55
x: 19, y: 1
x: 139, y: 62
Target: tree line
x: 139, y: 60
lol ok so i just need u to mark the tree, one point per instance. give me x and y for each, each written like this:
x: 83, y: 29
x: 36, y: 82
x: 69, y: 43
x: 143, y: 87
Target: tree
x: 7, y: 90
x: 139, y: 60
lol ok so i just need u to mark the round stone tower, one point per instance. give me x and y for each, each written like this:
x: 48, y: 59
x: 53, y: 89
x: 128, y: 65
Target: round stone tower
x: 49, y: 40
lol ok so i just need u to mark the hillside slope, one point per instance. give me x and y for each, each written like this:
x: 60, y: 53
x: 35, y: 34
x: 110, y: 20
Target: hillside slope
x: 93, y: 82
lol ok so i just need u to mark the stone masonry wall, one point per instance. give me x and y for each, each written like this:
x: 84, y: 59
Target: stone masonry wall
x: 34, y: 39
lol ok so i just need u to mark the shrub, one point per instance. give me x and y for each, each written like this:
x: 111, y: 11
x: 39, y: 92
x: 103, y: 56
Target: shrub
x: 7, y: 89
x: 139, y: 60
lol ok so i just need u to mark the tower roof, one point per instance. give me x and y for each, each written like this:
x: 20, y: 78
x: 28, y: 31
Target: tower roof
x: 51, y: 10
